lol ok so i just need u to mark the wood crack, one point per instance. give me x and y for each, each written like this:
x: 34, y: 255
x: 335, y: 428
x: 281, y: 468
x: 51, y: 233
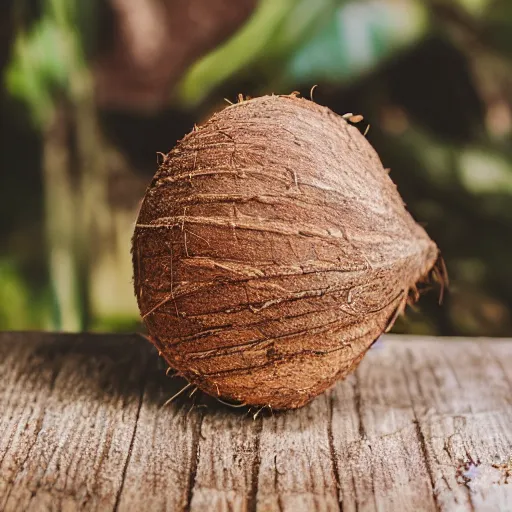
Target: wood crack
x: 358, y: 405
x: 252, y: 500
x: 423, y: 445
x: 332, y: 450
x: 143, y: 384
x: 194, y: 462
x: 421, y: 437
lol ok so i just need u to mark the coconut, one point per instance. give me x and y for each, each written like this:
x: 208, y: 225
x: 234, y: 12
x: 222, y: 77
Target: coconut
x: 271, y: 250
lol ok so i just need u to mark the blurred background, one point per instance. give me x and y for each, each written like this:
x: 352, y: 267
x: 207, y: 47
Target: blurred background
x: 93, y: 90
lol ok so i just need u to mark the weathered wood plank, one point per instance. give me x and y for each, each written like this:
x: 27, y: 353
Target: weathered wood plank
x: 161, y: 464
x: 226, y: 457
x: 463, y: 401
x: 69, y: 409
x: 297, y: 472
x: 421, y: 425
x: 380, y: 455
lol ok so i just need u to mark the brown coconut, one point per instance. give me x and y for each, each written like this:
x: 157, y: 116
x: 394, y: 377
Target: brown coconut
x: 271, y: 250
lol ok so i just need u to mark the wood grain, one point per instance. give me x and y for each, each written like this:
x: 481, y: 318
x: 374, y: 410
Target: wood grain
x: 377, y: 445
x: 423, y: 424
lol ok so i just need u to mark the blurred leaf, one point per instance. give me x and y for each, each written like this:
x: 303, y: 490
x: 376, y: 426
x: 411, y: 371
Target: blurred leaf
x: 484, y: 172
x: 276, y: 28
x: 239, y: 51
x: 13, y: 298
x: 19, y: 309
x: 38, y: 66
x: 293, y: 42
x: 474, y: 7
x: 301, y: 24
x: 44, y: 58
x: 116, y: 323
x: 357, y: 38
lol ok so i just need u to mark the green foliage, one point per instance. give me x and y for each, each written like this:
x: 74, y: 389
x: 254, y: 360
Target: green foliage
x: 116, y: 323
x: 356, y: 39
x: 243, y: 49
x: 38, y: 67
x: 485, y: 172
x: 19, y: 308
x: 44, y: 58
x: 447, y: 139
x: 290, y: 43
x: 474, y: 7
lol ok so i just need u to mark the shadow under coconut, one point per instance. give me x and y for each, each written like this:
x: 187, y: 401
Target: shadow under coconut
x: 105, y: 369
x: 116, y: 375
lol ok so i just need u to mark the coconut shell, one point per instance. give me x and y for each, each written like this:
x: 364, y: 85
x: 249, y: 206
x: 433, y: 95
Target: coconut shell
x: 271, y: 250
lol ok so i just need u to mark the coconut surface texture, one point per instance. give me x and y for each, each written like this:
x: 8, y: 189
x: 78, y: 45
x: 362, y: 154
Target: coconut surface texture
x: 271, y: 250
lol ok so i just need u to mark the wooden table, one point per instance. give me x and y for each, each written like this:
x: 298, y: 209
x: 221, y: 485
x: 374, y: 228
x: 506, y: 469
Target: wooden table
x: 423, y: 424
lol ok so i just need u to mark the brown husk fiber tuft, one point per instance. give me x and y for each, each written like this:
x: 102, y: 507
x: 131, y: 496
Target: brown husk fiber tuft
x: 271, y: 250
